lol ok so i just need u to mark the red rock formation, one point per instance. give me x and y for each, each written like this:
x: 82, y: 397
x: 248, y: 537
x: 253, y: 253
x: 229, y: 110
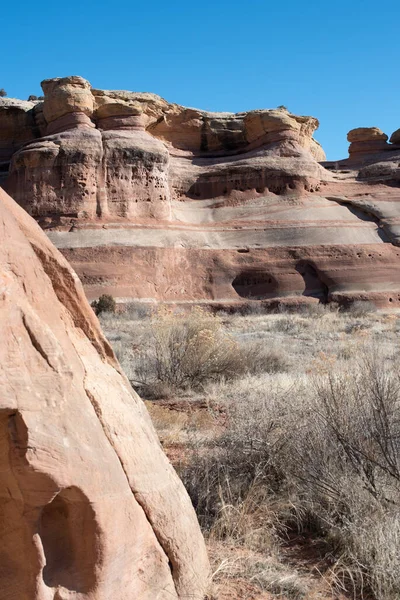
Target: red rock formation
x: 366, y: 141
x: 17, y: 126
x: 153, y: 200
x: 128, y: 155
x: 90, y: 507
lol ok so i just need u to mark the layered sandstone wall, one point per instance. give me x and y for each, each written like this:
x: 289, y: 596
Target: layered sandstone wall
x: 92, y: 153
x: 155, y: 201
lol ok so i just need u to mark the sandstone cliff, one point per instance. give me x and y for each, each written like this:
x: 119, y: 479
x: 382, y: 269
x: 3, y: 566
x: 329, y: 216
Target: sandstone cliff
x: 93, y: 153
x: 90, y: 507
x: 154, y: 201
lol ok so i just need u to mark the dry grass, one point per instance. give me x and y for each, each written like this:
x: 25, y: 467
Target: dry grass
x: 179, y: 351
x: 310, y: 439
x: 264, y: 572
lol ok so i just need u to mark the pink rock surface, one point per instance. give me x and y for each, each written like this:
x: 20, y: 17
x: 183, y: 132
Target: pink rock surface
x: 146, y: 151
x: 90, y: 507
x: 151, y: 200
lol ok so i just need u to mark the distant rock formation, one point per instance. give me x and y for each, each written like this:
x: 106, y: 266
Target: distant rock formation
x: 372, y: 159
x: 90, y: 507
x: 154, y: 201
x: 366, y: 140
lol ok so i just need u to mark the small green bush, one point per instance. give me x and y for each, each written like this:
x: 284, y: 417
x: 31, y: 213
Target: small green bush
x: 105, y: 303
x: 3, y: 93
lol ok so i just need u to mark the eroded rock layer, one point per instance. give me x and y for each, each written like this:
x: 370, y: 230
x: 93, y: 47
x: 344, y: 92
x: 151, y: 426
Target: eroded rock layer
x: 154, y: 201
x: 90, y: 507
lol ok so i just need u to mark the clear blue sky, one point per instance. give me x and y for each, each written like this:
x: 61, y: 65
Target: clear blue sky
x: 336, y: 60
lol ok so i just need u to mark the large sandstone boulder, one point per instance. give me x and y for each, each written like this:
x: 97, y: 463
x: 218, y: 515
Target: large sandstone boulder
x: 395, y: 137
x: 366, y: 134
x: 65, y: 95
x: 372, y: 158
x: 90, y: 507
x: 365, y: 141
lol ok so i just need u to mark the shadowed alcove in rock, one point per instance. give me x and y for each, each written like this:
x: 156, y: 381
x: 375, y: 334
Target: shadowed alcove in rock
x: 314, y: 286
x: 256, y: 285
x: 69, y: 535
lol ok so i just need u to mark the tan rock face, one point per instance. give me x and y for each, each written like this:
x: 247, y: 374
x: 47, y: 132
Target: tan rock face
x: 365, y: 141
x: 129, y: 154
x: 395, y: 137
x: 61, y: 172
x: 66, y: 95
x: 366, y: 134
x: 90, y: 508
x: 153, y: 200
x: 17, y: 126
x: 317, y: 151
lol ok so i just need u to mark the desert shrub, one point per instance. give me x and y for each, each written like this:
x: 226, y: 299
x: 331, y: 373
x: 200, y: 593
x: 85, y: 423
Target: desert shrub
x: 3, y: 93
x: 186, y: 350
x: 137, y: 310
x: 105, y: 303
x: 265, y: 570
x: 290, y: 324
x: 315, y: 309
x: 240, y: 467
x: 306, y: 309
x: 345, y: 457
x: 252, y: 308
x: 357, y: 327
x: 34, y: 98
x: 323, y: 457
x: 256, y: 357
x: 360, y: 308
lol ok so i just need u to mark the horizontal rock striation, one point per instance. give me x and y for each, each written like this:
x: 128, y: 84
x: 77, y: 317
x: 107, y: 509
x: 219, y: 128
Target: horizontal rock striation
x: 125, y: 154
x: 155, y: 201
x: 90, y: 507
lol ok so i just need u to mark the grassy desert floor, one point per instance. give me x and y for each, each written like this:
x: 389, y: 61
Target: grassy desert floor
x: 234, y: 437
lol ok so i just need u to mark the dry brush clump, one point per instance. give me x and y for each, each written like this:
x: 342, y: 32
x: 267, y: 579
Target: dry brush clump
x: 310, y: 445
x: 346, y: 459
x: 321, y: 455
x: 188, y: 350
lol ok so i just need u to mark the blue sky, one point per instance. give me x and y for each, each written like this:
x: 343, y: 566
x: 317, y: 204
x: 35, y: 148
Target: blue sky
x: 337, y: 60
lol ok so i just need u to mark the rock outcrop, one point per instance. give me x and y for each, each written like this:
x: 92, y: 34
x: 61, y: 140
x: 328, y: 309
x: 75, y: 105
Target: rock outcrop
x: 17, y: 126
x: 154, y: 201
x: 97, y: 153
x: 90, y: 507
x: 395, y: 137
x: 366, y: 141
x: 372, y: 159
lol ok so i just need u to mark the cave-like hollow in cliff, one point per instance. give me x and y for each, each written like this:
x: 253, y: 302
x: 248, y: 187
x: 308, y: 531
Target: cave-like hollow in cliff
x: 255, y: 285
x: 314, y: 286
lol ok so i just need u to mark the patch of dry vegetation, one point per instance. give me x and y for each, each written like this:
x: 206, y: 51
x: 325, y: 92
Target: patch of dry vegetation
x: 181, y: 351
x: 310, y: 440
